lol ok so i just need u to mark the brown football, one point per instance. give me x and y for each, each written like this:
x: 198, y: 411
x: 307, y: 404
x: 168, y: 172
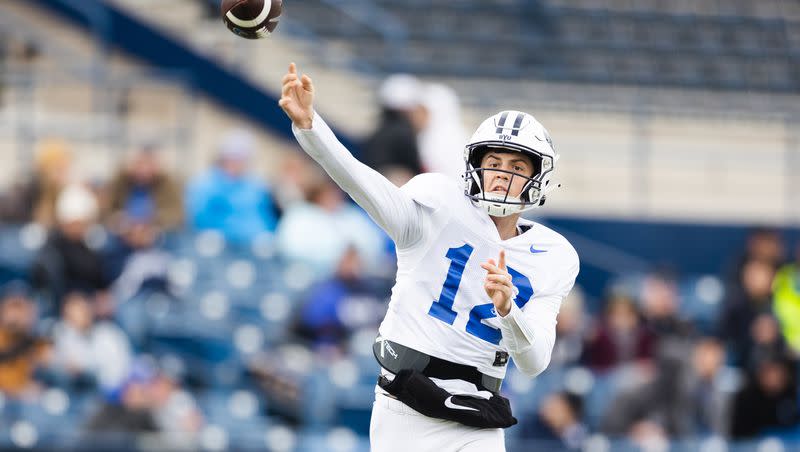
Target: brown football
x: 251, y: 19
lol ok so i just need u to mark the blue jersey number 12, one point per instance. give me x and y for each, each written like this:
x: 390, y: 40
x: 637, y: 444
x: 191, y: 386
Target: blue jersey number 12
x: 442, y: 308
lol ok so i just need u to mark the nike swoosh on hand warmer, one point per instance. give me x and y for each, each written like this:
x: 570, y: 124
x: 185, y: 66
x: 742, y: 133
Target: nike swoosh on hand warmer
x: 422, y: 395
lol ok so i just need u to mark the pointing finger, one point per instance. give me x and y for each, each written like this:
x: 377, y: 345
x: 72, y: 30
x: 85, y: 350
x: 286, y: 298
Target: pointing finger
x: 292, y: 68
x: 288, y: 78
x: 502, y: 260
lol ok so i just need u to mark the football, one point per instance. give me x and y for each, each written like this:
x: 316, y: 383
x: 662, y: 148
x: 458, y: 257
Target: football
x: 251, y: 19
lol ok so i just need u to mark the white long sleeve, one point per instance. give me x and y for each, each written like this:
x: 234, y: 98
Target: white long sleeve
x: 530, y: 335
x: 392, y: 209
x: 433, y: 206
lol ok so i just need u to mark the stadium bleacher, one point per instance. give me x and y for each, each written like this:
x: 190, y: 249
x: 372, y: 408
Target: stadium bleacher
x: 209, y: 334
x: 535, y: 40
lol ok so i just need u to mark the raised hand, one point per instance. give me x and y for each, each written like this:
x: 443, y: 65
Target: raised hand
x: 297, y: 98
x: 498, y: 284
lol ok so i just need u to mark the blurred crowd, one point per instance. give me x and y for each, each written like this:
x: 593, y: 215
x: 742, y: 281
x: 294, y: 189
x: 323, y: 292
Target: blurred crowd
x: 102, y: 244
x: 673, y: 377
x: 99, y: 244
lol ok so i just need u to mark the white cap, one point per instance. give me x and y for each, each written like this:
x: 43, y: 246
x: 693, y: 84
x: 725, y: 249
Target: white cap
x: 401, y: 92
x: 238, y: 144
x: 441, y: 98
x: 76, y: 203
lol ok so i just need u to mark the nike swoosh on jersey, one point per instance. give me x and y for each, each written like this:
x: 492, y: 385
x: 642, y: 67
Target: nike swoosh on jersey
x: 449, y: 404
x: 535, y: 251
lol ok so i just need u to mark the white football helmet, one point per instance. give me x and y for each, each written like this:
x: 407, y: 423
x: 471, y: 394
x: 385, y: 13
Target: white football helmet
x: 510, y: 131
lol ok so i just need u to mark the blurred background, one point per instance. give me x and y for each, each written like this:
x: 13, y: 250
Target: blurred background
x: 176, y: 275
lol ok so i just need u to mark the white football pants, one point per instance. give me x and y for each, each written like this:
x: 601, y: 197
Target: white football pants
x: 394, y: 427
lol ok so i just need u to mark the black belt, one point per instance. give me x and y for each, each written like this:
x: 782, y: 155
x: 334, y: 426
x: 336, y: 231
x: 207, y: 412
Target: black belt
x: 395, y: 357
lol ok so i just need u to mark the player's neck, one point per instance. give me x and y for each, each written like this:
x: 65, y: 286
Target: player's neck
x: 506, y: 226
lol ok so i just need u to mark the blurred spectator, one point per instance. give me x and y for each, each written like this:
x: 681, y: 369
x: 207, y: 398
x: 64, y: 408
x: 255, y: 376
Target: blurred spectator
x: 338, y: 306
x: 87, y: 349
x: 318, y: 232
x: 153, y: 402
x: 680, y: 399
x: 787, y: 301
x: 656, y: 406
x: 142, y: 188
x: 131, y: 410
x: 228, y: 198
x: 21, y: 350
x: 53, y: 168
x: 619, y: 338
x: 765, y: 337
x: 133, y: 259
x: 743, y: 307
x: 570, y: 330
x: 297, y: 174
x: 762, y: 244
x: 707, y: 394
x: 66, y: 263
x: 35, y: 198
x: 392, y: 148
x: 441, y: 142
x: 559, y: 421
x: 139, y: 267
x: 659, y: 301
x: 769, y: 400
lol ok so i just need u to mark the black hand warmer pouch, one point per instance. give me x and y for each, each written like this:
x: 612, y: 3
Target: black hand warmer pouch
x: 422, y: 395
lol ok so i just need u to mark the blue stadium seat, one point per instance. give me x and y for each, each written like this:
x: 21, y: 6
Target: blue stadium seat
x: 562, y: 43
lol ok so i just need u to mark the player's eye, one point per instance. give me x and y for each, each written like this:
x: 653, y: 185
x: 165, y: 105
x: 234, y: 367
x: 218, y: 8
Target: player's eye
x: 518, y: 168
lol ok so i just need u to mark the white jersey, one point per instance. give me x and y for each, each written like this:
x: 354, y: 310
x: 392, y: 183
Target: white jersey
x: 438, y: 303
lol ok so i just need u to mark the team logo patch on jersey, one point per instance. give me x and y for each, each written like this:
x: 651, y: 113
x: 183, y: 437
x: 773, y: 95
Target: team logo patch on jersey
x: 500, y: 359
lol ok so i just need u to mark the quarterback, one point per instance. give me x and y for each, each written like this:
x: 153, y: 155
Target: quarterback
x: 476, y: 284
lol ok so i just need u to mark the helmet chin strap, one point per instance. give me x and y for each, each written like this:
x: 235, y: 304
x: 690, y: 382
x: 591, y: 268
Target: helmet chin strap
x: 495, y: 206
x: 498, y: 197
